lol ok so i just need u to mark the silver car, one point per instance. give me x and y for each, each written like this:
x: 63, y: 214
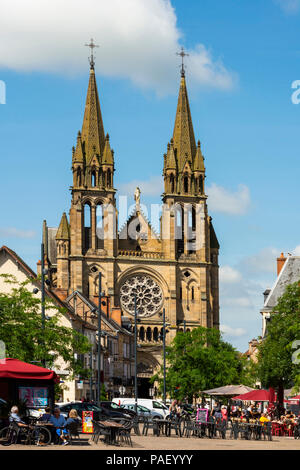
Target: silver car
x: 143, y: 411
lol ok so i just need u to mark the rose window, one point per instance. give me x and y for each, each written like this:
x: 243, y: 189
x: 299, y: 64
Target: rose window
x: 148, y: 294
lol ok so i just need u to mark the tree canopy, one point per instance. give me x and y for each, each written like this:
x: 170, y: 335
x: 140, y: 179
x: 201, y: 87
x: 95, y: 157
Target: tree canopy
x: 278, y: 358
x: 200, y: 360
x: 25, y: 339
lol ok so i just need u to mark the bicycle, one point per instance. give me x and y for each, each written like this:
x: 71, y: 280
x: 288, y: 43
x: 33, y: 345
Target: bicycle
x: 31, y: 434
x: 9, y: 435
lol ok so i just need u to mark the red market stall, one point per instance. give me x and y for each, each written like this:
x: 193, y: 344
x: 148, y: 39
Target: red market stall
x: 22, y: 381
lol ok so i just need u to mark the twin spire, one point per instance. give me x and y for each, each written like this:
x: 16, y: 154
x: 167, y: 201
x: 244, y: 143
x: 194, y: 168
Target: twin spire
x: 91, y: 141
x: 184, y: 170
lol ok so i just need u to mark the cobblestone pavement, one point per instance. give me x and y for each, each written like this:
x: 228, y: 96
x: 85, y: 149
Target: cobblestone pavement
x: 174, y: 443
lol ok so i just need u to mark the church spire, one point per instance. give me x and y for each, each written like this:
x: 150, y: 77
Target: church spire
x: 63, y: 232
x: 92, y: 135
x: 183, y: 135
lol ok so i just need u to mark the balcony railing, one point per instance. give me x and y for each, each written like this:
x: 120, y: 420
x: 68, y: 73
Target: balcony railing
x: 140, y: 254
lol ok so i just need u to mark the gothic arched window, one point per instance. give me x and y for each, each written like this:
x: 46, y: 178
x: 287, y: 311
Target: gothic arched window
x: 179, y: 228
x: 201, y: 184
x: 155, y: 334
x: 78, y: 176
x: 186, y: 184
x: 149, y: 334
x: 172, y: 183
x: 142, y: 333
x: 193, y: 218
x: 99, y: 226
x: 87, y: 223
x: 93, y: 178
x: 108, y: 178
x: 87, y: 215
x: 193, y: 293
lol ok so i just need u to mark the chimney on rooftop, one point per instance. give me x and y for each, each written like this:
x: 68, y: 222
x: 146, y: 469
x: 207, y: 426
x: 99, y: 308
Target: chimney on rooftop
x: 280, y: 262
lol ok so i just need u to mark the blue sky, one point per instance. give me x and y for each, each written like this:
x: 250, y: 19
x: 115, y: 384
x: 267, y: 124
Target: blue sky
x: 244, y: 56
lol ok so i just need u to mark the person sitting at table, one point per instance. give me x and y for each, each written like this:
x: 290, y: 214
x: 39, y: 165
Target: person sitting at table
x: 72, y: 418
x: 244, y: 417
x: 15, y: 418
x: 216, y: 412
x: 59, y: 422
x: 264, y: 419
x: 45, y: 418
x: 224, y: 413
x: 289, y: 415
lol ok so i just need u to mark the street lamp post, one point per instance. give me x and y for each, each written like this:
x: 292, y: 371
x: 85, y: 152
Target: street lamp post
x: 135, y: 355
x: 99, y: 338
x: 43, y: 292
x: 164, y: 351
x: 91, y: 376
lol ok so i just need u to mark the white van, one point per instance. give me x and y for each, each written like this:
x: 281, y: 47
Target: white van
x: 153, y: 405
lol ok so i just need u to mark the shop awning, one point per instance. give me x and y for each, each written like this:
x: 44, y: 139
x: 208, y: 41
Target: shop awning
x: 15, y: 369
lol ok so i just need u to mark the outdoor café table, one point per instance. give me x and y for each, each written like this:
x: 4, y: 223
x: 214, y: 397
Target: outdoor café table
x: 113, y: 428
x: 166, y: 426
x: 205, y: 428
x: 248, y: 430
x: 161, y: 426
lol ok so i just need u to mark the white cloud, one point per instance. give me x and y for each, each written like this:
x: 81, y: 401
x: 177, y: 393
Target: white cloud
x: 233, y: 332
x: 262, y: 262
x: 289, y: 6
x: 12, y: 232
x: 138, y: 41
x: 229, y: 275
x: 222, y: 200
x: 241, y: 302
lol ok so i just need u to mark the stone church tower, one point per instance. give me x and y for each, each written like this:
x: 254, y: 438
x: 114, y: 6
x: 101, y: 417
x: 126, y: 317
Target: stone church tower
x: 176, y: 270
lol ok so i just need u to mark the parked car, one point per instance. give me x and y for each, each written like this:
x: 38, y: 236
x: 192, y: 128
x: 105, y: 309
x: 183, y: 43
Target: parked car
x: 143, y: 411
x: 152, y: 405
x: 98, y: 412
x: 110, y: 405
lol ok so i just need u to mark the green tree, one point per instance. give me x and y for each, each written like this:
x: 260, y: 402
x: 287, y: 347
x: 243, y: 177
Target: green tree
x: 278, y: 361
x: 200, y: 360
x: 25, y: 339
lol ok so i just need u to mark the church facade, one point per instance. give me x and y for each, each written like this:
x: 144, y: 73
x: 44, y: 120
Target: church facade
x: 176, y: 270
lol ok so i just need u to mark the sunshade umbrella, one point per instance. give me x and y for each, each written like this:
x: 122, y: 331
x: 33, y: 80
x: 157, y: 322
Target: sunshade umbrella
x: 255, y: 395
x: 228, y: 390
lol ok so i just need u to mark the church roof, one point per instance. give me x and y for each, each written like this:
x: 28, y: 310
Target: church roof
x: 289, y: 274
x: 33, y: 276
x: 138, y: 214
x: 213, y: 237
x: 92, y: 134
x: 183, y: 135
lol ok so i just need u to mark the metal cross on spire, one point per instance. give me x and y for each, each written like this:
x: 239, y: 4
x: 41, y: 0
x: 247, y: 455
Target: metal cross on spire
x: 182, y: 55
x: 91, y: 45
